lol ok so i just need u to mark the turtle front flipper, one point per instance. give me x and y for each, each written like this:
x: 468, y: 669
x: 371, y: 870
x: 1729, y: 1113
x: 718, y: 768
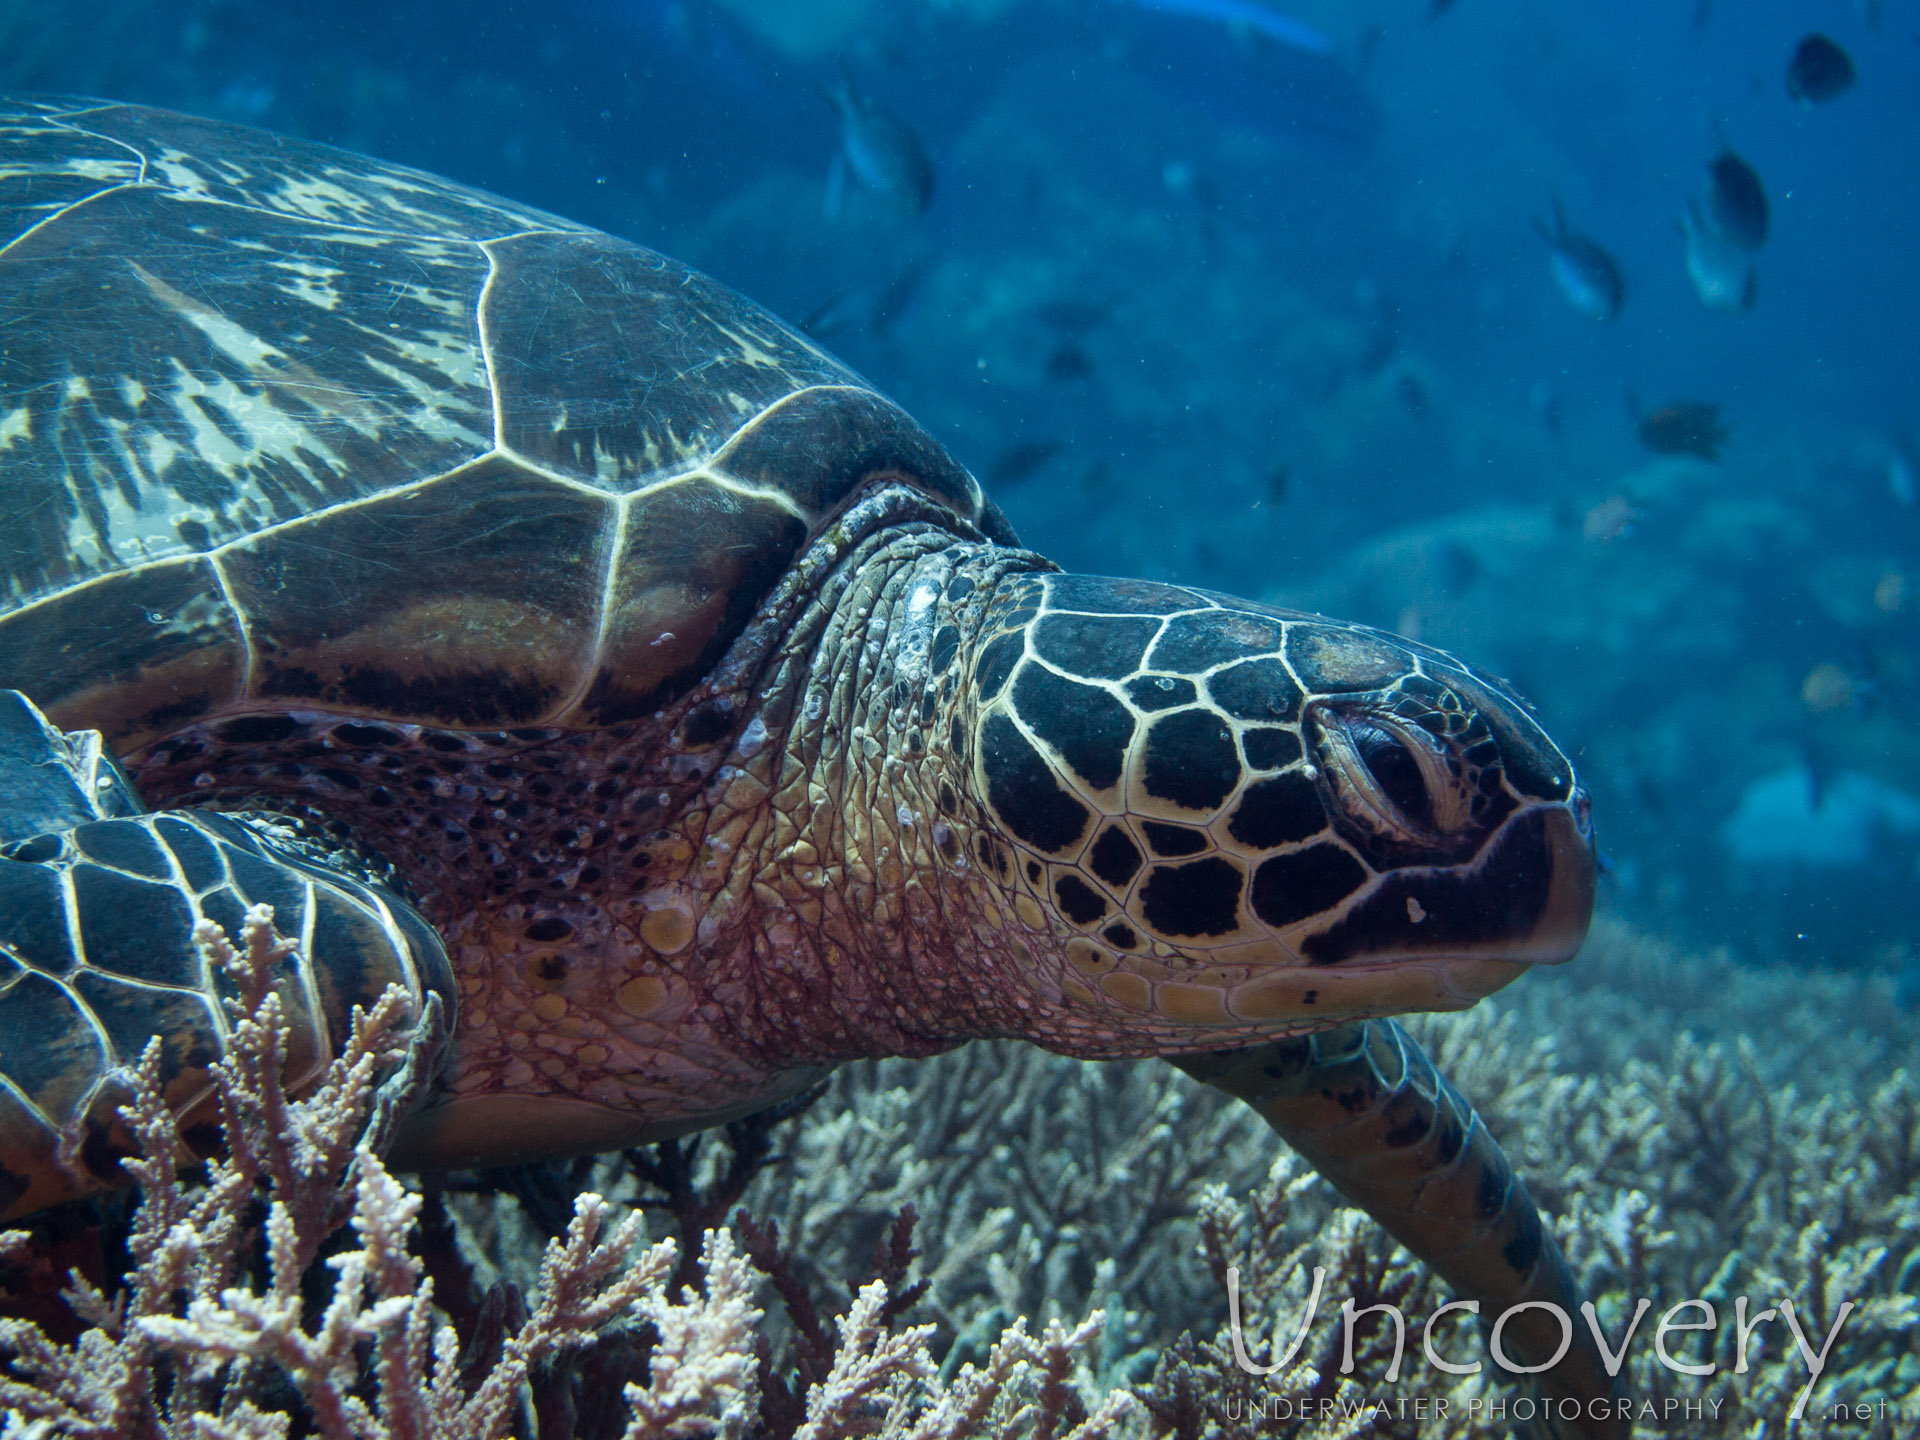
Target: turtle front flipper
x: 50, y: 781
x: 98, y: 904
x: 1366, y: 1108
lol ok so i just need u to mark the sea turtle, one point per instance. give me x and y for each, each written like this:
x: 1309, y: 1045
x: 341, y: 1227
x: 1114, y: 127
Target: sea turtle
x: 534, y: 622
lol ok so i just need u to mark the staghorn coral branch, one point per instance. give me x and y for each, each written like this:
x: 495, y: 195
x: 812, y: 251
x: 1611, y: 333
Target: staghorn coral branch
x: 583, y: 1288
x: 703, y: 1370
x: 376, y: 1362
x: 1682, y: 1168
x: 191, y: 1247
x: 870, y: 1367
x: 963, y: 1409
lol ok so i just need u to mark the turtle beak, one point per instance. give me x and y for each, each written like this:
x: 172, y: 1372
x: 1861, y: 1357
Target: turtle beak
x: 1543, y: 894
x: 1525, y: 899
x: 1446, y: 944
x: 1565, y: 836
x: 1562, y: 927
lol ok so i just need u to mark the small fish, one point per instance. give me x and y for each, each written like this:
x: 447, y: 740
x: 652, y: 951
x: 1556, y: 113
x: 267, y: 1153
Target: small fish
x: 1020, y: 462
x: 1279, y: 480
x: 1686, y: 427
x: 1587, y: 275
x: 1614, y: 518
x: 871, y: 309
x: 828, y: 318
x: 1737, y: 201
x: 1830, y: 686
x: 1722, y: 272
x: 878, y: 151
x: 1890, y: 593
x: 1244, y: 62
x: 1903, y: 473
x: 1068, y: 362
x: 1819, y: 71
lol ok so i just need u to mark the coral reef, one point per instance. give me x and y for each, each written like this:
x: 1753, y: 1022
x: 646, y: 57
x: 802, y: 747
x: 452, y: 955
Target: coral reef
x: 1684, y: 1157
x: 199, y: 1342
x: 298, y: 1287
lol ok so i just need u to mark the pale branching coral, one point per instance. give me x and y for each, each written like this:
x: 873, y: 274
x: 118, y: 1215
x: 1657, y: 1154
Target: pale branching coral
x: 300, y: 1288
x: 1683, y: 1156
x: 204, y: 1341
x: 190, y: 1297
x: 703, y: 1368
x: 196, y: 1245
x: 1046, y: 1188
x: 872, y: 1370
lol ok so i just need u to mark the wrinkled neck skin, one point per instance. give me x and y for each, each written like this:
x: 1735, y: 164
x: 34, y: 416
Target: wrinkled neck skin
x: 870, y: 904
x: 662, y: 926
x: 800, y: 900
x: 846, y: 923
x: 812, y: 882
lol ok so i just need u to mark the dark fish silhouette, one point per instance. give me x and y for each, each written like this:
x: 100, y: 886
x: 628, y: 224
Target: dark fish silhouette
x: 1587, y: 275
x: 1068, y: 362
x: 1819, y: 71
x: 1737, y: 201
x: 878, y: 151
x: 870, y: 308
x: 1903, y: 471
x: 1278, y: 480
x: 1686, y: 427
x: 1020, y: 462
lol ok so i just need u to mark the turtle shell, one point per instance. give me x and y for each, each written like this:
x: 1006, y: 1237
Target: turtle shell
x: 285, y: 426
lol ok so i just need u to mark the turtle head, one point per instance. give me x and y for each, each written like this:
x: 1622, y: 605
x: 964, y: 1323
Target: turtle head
x: 1245, y: 817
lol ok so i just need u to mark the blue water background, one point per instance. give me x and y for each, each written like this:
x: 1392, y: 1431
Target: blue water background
x: 1289, y: 331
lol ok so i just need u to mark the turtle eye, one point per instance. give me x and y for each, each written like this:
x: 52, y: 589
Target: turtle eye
x: 1394, y: 769
x: 1391, y: 779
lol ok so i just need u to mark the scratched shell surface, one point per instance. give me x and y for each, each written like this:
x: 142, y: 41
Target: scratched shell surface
x: 285, y: 426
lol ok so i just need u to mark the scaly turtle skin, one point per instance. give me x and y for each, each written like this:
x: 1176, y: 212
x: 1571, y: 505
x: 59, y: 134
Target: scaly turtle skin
x: 710, y: 723
x: 88, y: 883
